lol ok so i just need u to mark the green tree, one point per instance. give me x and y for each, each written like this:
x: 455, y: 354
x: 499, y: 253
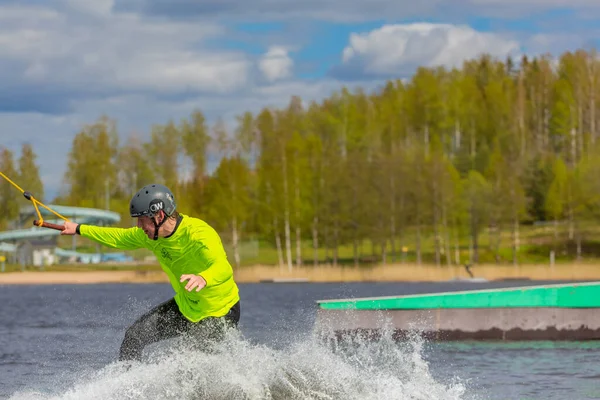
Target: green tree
x: 163, y: 149
x: 427, y: 160
x: 91, y: 170
x: 228, y: 199
x: 136, y: 167
x: 195, y: 140
x: 557, y: 197
x: 476, y: 196
x: 9, y: 195
x: 442, y: 179
x: 29, y: 174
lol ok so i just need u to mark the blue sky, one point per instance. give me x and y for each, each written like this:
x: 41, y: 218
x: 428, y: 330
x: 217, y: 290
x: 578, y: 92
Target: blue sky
x: 64, y: 63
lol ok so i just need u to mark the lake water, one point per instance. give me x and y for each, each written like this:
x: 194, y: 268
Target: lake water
x: 61, y: 342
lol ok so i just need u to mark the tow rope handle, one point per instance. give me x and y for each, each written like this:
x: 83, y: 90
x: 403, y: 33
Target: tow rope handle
x: 49, y: 225
x: 40, y: 221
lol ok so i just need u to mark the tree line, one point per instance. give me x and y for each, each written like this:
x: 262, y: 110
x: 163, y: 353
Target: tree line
x: 445, y: 155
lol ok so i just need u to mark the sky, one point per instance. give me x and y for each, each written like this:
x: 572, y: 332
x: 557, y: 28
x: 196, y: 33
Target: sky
x: 66, y: 63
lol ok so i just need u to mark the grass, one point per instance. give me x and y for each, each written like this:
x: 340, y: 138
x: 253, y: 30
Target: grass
x: 536, y: 243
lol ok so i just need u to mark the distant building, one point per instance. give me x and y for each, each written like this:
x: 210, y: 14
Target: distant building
x: 34, y: 252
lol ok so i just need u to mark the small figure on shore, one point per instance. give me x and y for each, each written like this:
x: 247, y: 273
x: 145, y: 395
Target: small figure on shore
x: 468, y: 268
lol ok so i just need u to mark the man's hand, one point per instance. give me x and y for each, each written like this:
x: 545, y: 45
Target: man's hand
x: 70, y: 228
x: 195, y: 281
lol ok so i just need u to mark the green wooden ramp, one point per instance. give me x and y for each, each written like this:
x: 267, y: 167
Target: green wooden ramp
x: 576, y: 295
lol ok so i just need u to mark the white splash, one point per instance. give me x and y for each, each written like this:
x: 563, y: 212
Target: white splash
x: 312, y: 368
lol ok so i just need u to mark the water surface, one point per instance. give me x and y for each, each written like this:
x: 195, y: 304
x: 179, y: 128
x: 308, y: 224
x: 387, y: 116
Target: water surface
x: 61, y: 342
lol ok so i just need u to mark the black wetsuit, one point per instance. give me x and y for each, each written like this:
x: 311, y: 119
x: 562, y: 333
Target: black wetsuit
x: 165, y: 321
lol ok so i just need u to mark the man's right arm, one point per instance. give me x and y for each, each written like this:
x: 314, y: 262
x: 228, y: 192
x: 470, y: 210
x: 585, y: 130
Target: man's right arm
x: 118, y: 238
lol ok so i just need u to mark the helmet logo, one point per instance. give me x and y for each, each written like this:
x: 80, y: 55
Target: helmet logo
x: 156, y: 207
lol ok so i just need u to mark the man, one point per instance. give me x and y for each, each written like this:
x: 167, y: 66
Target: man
x: 206, y: 301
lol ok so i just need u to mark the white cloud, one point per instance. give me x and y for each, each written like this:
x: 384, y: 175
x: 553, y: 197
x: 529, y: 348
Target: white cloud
x: 536, y: 3
x: 261, y: 10
x: 557, y: 43
x: 353, y: 10
x: 398, y: 49
x: 93, y: 7
x: 119, y: 52
x: 276, y: 64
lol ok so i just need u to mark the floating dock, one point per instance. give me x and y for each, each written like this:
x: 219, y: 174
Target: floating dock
x: 545, y: 312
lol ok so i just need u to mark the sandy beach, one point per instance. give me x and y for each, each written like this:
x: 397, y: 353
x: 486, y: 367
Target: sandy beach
x: 258, y: 273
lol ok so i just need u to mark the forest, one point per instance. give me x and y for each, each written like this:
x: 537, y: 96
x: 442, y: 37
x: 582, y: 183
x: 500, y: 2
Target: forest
x: 496, y: 162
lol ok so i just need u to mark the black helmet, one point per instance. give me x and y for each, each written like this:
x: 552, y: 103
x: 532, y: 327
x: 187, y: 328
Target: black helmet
x: 150, y: 199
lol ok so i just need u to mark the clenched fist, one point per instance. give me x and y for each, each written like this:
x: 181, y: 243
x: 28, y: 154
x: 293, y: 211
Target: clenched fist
x: 70, y: 228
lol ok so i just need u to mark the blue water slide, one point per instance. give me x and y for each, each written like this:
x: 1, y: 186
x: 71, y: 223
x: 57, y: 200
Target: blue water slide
x: 81, y: 215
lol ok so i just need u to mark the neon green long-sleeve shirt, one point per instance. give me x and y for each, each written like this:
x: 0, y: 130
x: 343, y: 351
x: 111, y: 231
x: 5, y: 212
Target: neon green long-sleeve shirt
x: 194, y: 248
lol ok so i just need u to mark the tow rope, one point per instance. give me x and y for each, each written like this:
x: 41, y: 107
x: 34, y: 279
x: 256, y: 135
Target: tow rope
x: 40, y: 221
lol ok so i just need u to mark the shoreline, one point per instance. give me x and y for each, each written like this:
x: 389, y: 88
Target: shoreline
x: 329, y: 274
